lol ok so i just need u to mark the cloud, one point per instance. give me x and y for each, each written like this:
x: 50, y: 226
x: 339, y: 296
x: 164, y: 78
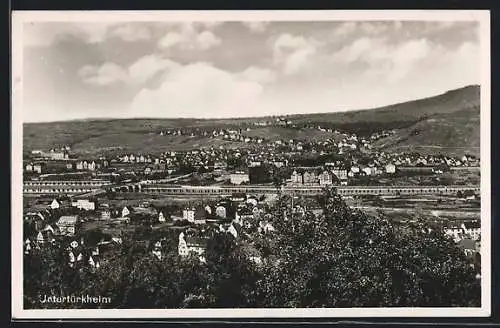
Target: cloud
x: 374, y: 28
x: 259, y: 75
x: 326, y: 68
x: 48, y: 33
x: 290, y: 41
x: 361, y: 48
x: 95, y: 33
x: 189, y: 38
x: 138, y: 73
x: 43, y: 34
x: 106, y: 74
x: 293, y: 52
x: 206, y: 40
x: 198, y: 90
x: 148, y: 66
x: 210, y: 24
x: 407, y: 56
x: 169, y: 40
x: 396, y: 59
x: 439, y: 26
x: 358, y: 29
x: 458, y: 67
x: 298, y: 59
x: 345, y: 29
x: 256, y: 26
x: 415, y: 68
x: 131, y: 32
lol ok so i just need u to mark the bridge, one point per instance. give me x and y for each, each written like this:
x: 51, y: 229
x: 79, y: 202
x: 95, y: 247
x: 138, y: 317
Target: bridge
x: 96, y: 187
x: 66, y: 183
x: 70, y: 187
x: 297, y: 190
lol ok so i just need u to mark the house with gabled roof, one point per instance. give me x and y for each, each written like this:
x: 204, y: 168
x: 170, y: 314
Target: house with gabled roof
x: 27, y: 246
x: 192, y: 245
x: 55, y: 204
x: 44, y: 237
x: 125, y: 212
x: 68, y: 224
x: 468, y: 246
x: 234, y: 229
x: 221, y: 211
x: 94, y: 261
x: 472, y: 229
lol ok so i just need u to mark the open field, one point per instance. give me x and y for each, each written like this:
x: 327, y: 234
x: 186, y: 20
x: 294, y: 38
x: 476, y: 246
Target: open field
x: 436, y: 209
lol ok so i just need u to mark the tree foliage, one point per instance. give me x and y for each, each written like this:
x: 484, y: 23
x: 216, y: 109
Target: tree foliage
x: 348, y: 259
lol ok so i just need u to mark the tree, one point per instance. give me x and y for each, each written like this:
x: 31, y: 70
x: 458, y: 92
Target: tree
x: 93, y: 237
x: 47, y: 273
x: 348, y: 259
x: 259, y: 174
x: 232, y: 277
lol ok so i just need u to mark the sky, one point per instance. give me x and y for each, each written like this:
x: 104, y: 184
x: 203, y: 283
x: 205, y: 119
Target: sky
x: 76, y: 70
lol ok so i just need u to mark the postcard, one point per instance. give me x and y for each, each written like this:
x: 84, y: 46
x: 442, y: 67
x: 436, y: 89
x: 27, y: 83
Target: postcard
x: 251, y: 164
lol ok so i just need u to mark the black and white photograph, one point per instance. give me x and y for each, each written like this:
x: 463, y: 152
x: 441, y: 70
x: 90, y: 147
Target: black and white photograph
x: 250, y: 164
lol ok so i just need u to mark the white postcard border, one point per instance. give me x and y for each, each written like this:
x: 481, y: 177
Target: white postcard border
x: 19, y: 17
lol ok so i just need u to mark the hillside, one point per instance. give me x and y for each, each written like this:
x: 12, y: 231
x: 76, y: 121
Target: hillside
x: 453, y: 133
x: 448, y: 123
x: 449, y: 102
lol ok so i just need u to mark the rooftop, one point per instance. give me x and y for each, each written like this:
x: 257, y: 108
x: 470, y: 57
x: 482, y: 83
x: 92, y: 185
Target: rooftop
x: 472, y: 225
x: 68, y: 219
x: 196, y: 241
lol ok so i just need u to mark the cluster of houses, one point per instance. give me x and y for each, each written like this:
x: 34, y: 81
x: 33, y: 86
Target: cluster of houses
x: 79, y: 255
x: 418, y: 160
x: 240, y: 216
x: 56, y: 218
x: 196, y: 244
x: 311, y: 177
x: 46, y: 232
x: 192, y: 245
x: 332, y: 175
x: 235, y: 135
x: 467, y: 235
x: 91, y: 165
x: 259, y: 159
x: 65, y: 165
x: 239, y: 177
x: 383, y: 134
x: 238, y: 207
x: 62, y: 153
x: 209, y: 158
x: 220, y: 161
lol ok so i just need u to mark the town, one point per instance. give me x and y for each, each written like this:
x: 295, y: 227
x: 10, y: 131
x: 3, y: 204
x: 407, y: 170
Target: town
x: 233, y: 190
